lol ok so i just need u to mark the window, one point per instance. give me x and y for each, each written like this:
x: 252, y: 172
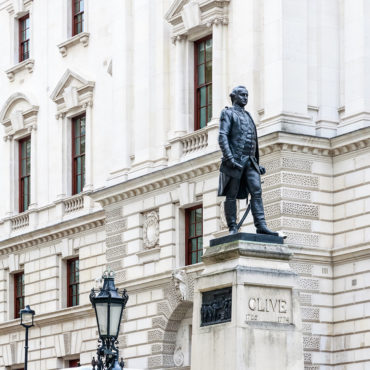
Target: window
x: 18, y: 293
x: 194, y: 234
x: 78, y: 153
x: 77, y: 16
x: 73, y: 363
x: 203, y: 82
x: 73, y: 279
x: 24, y: 38
x: 24, y: 173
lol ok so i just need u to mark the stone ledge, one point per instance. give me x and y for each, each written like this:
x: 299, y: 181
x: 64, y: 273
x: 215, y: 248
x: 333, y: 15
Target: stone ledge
x: 82, y: 38
x: 26, y: 64
x: 259, y: 238
x: 244, y: 248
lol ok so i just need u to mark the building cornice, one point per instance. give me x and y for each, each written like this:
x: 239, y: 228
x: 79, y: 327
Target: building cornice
x: 159, y: 179
x: 53, y: 232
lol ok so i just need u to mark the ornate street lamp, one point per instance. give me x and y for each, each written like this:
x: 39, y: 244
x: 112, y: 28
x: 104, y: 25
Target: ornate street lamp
x: 108, y: 305
x: 27, y: 322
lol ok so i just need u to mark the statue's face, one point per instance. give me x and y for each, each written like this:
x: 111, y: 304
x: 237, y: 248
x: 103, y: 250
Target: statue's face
x: 241, y: 97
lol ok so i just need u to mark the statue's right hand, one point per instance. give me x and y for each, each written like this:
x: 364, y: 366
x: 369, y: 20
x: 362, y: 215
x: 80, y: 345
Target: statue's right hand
x: 231, y: 163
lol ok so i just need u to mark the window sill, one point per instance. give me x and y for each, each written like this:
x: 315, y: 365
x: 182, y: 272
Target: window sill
x: 82, y: 38
x: 26, y: 64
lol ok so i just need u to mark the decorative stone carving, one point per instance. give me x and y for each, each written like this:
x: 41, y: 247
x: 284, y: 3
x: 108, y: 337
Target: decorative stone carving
x: 82, y: 37
x: 25, y: 65
x: 179, y: 279
x: 191, y: 15
x: 216, y: 306
x: 151, y: 229
x: 178, y: 357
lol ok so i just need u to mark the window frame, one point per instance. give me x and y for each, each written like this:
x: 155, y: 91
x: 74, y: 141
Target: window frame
x: 188, y: 251
x: 69, y: 284
x: 21, y: 42
x: 21, y: 177
x: 17, y: 305
x: 198, y: 87
x: 74, y: 121
x: 74, y: 15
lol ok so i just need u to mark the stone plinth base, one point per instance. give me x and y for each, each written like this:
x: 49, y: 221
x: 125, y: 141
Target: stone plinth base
x: 246, y: 309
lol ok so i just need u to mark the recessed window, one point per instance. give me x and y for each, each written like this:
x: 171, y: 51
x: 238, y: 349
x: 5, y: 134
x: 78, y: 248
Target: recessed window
x: 73, y: 363
x: 24, y: 38
x: 78, y: 153
x: 24, y: 173
x: 203, y: 82
x: 78, y: 16
x: 18, y: 293
x: 194, y: 234
x: 73, y: 278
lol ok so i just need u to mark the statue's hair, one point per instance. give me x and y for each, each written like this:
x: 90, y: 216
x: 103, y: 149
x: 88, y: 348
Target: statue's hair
x: 235, y: 91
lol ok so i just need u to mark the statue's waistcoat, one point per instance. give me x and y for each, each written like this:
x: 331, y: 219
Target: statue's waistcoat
x: 244, y: 145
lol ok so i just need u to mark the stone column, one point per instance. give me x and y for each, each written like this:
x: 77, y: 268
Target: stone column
x: 285, y: 68
x: 122, y: 88
x: 89, y: 176
x: 9, y: 195
x: 180, y: 102
x: 356, y: 46
x: 33, y: 190
x: 217, y: 67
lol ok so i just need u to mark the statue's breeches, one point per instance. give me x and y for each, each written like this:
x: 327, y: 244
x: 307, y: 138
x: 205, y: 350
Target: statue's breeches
x: 250, y: 179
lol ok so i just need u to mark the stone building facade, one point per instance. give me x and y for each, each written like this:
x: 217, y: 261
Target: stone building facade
x: 125, y: 75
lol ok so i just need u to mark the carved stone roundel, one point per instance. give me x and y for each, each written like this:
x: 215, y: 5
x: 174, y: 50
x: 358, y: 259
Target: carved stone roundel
x: 178, y: 357
x: 151, y: 229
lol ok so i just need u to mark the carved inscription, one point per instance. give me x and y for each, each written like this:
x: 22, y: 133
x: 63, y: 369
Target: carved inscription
x: 269, y: 305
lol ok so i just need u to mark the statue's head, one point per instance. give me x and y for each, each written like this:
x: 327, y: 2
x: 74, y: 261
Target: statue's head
x: 239, y: 96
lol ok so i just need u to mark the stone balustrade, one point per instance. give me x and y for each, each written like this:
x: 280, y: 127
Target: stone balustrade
x: 74, y: 204
x: 20, y: 221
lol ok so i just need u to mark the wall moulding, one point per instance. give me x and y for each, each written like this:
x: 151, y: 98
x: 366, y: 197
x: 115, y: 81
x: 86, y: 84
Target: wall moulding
x: 191, y: 17
x: 151, y: 182
x: 81, y: 38
x: 313, y: 145
x: 72, y: 91
x: 51, y: 233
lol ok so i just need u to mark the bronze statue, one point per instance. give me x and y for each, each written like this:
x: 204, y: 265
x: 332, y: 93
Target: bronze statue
x: 240, y: 170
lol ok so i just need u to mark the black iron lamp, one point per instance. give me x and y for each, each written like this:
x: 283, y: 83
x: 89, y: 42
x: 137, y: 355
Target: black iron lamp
x: 27, y: 322
x: 108, y: 305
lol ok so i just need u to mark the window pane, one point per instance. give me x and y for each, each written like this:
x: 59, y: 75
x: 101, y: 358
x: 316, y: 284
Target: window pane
x: 202, y: 119
x: 202, y: 93
x: 209, y: 49
x: 77, y: 146
x: 209, y: 95
x: 83, y: 125
x: 192, y: 230
x: 193, y: 258
x: 201, y: 53
x: 82, y: 144
x: 193, y: 245
x: 209, y: 72
x: 201, y: 74
x: 200, y: 243
x: 79, y: 165
x: 200, y: 253
x: 77, y: 128
x: 24, y: 167
x: 198, y: 213
x: 199, y: 229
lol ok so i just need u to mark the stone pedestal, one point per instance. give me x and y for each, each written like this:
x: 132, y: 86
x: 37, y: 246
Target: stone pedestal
x: 246, y: 308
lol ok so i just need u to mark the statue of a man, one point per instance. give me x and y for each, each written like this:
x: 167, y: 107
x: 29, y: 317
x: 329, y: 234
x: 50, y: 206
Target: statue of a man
x: 240, y: 170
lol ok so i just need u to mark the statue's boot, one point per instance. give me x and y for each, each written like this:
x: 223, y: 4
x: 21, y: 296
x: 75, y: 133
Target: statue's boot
x: 230, y: 215
x: 259, y: 217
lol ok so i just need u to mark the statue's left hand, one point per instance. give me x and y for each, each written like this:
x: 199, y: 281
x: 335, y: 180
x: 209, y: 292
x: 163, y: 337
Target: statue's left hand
x: 262, y: 170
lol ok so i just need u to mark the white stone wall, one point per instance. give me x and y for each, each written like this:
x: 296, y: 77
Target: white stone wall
x: 305, y: 64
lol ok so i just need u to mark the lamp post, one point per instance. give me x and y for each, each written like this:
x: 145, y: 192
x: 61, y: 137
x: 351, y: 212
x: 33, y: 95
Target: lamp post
x: 108, y: 305
x: 27, y: 322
